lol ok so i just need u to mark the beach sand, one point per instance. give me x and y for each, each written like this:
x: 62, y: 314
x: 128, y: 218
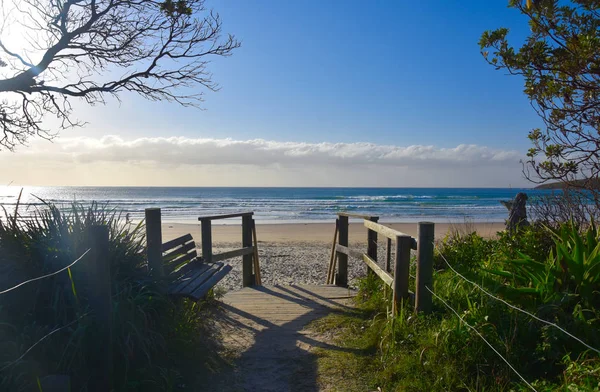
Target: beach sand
x: 315, y: 232
x: 300, y: 253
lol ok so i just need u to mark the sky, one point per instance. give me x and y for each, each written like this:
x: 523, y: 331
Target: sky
x: 321, y: 93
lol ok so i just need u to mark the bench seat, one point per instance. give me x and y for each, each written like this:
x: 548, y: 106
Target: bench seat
x: 189, y: 275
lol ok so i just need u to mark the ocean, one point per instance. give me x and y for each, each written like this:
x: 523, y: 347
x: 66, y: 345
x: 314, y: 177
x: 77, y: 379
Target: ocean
x: 281, y: 205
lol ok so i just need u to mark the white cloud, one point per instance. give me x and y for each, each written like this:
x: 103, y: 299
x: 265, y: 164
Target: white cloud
x: 112, y: 160
x: 187, y: 151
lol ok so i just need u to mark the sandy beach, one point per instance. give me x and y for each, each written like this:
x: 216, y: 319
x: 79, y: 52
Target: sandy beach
x: 315, y: 232
x: 300, y: 253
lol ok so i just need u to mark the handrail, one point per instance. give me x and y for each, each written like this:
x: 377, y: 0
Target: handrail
x: 403, y: 243
x: 389, y: 232
x: 248, y: 251
x: 225, y: 216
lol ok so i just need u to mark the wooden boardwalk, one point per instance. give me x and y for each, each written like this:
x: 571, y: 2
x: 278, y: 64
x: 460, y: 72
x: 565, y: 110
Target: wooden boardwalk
x: 265, y: 326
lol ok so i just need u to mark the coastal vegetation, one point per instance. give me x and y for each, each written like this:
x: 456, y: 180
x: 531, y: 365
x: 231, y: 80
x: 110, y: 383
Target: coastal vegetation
x: 516, y: 312
x: 519, y: 311
x: 47, y: 327
x: 561, y: 70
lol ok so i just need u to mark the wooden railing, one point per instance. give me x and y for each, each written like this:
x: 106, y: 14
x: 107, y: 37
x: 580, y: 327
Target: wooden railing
x: 249, y: 250
x: 403, y: 243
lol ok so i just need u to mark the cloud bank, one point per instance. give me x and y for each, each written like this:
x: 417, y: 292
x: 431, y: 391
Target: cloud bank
x: 188, y: 151
x: 210, y: 161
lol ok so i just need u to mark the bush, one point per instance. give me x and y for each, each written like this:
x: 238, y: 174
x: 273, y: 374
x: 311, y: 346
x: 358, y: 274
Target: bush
x: 552, y: 274
x: 151, y: 334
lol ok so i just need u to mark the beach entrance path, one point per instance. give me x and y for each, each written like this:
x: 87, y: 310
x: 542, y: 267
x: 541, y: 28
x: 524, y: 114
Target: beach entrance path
x: 265, y: 327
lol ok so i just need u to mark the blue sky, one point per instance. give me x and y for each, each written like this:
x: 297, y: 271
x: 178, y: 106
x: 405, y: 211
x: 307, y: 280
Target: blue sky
x: 406, y: 72
x: 401, y: 73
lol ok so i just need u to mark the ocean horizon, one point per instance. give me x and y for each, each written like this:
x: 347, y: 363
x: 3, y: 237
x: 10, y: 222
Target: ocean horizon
x: 279, y: 204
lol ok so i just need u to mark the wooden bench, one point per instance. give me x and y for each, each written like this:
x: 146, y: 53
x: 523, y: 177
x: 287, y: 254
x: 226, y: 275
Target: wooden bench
x: 190, y: 276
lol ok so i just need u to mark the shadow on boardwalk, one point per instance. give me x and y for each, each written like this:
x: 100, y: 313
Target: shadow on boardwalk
x: 264, y: 327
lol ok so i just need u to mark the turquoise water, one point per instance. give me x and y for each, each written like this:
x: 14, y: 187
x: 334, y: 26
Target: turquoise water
x: 185, y: 204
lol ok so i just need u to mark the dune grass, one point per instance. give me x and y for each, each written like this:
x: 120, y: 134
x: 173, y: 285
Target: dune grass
x: 159, y: 344
x: 554, y: 279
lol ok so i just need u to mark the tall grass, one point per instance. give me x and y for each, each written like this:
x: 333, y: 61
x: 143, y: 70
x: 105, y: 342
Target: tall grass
x: 555, y: 280
x: 151, y: 333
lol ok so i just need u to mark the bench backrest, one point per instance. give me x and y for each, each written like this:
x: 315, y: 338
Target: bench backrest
x: 178, y: 252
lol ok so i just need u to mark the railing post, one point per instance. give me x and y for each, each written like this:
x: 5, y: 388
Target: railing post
x: 247, y: 278
x: 388, y: 255
x: 401, y: 270
x: 333, y: 258
x: 154, y: 242
x: 206, y: 236
x: 372, y: 243
x: 424, y: 267
x: 341, y: 278
x: 100, y: 303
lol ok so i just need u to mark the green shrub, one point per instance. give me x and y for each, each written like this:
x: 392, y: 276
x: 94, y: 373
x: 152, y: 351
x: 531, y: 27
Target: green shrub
x: 463, y: 251
x: 551, y: 274
x: 150, y: 332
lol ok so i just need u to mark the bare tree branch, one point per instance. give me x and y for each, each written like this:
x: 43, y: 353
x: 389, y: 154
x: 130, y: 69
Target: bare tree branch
x: 161, y: 48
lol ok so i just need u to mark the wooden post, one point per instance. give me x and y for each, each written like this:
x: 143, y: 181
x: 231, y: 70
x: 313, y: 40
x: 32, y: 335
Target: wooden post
x: 154, y: 242
x: 257, y: 277
x: 342, y: 275
x: 388, y: 255
x: 247, y: 279
x: 401, y: 270
x: 331, y: 269
x: 388, y: 261
x: 424, y: 267
x: 100, y: 304
x: 206, y: 235
x: 372, y: 244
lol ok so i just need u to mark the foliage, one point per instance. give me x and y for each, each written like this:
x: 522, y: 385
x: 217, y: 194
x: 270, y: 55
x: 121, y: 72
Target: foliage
x: 559, y: 62
x: 94, y: 49
x: 152, y: 336
x: 555, y: 279
x: 568, y: 205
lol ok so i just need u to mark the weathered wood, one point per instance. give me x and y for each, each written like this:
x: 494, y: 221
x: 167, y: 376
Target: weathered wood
x: 233, y: 253
x: 206, y: 233
x: 388, y: 255
x: 177, y: 252
x: 359, y: 216
x: 154, y: 242
x: 184, y: 269
x: 330, y: 268
x: 333, y: 267
x: 347, y: 251
x: 180, y: 261
x: 203, y: 289
x: 373, y: 266
x: 517, y: 217
x: 342, y: 275
x: 190, y: 276
x: 389, y: 232
x: 167, y: 246
x: 424, y: 267
x: 225, y: 216
x: 187, y: 290
x: 257, y: 275
x: 401, y: 271
x: 247, y: 242
x: 372, y: 242
x: 100, y: 304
